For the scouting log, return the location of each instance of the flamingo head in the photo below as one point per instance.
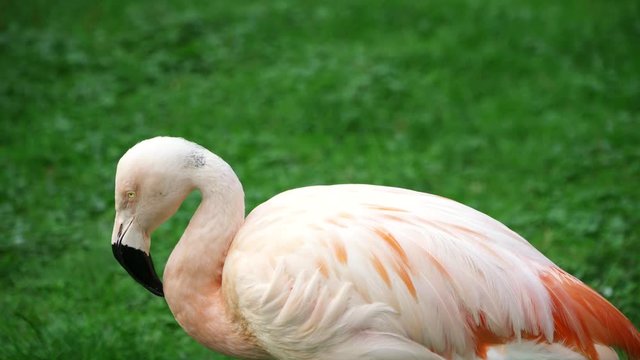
(152, 179)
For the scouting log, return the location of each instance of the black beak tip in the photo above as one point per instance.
(140, 266)
(157, 290)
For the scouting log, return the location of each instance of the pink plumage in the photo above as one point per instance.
(354, 271)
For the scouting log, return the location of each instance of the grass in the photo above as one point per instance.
(529, 112)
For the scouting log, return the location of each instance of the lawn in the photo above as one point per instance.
(528, 111)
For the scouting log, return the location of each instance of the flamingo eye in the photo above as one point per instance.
(131, 195)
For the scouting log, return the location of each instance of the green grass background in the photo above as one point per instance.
(526, 110)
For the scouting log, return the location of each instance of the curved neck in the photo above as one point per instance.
(193, 274)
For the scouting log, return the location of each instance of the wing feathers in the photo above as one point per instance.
(317, 268)
(583, 318)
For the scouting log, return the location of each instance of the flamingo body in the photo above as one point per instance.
(363, 272)
(415, 274)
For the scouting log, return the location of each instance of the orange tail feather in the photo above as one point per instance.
(583, 318)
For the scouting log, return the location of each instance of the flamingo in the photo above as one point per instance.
(349, 271)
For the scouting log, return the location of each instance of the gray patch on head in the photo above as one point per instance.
(196, 159)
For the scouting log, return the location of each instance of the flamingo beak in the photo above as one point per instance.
(131, 248)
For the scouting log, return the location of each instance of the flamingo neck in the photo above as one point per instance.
(193, 274)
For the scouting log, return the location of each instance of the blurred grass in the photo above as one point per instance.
(528, 111)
